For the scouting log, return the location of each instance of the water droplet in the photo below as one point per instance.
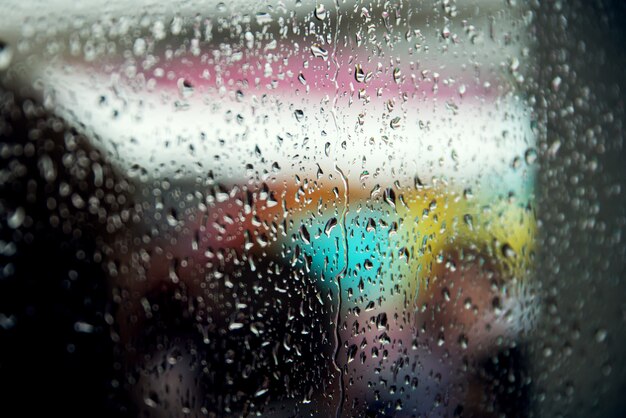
(508, 251)
(352, 352)
(463, 341)
(299, 114)
(469, 221)
(319, 52)
(17, 218)
(381, 321)
(301, 79)
(359, 39)
(390, 197)
(176, 25)
(359, 74)
(262, 18)
(152, 401)
(304, 234)
(174, 357)
(185, 88)
(395, 122)
(5, 56)
(235, 325)
(446, 294)
(260, 392)
(330, 225)
(320, 12)
(172, 217)
(139, 47)
(397, 75)
(530, 156)
(47, 168)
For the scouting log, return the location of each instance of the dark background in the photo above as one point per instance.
(581, 206)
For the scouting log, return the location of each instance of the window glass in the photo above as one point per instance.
(296, 208)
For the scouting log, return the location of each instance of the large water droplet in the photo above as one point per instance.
(397, 75)
(17, 218)
(5, 56)
(185, 88)
(395, 123)
(359, 74)
(508, 251)
(304, 234)
(530, 156)
(320, 12)
(330, 225)
(352, 352)
(319, 52)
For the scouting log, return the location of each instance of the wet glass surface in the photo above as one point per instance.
(312, 209)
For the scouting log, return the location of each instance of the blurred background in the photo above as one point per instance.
(312, 209)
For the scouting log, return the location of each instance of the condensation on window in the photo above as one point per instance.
(299, 208)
